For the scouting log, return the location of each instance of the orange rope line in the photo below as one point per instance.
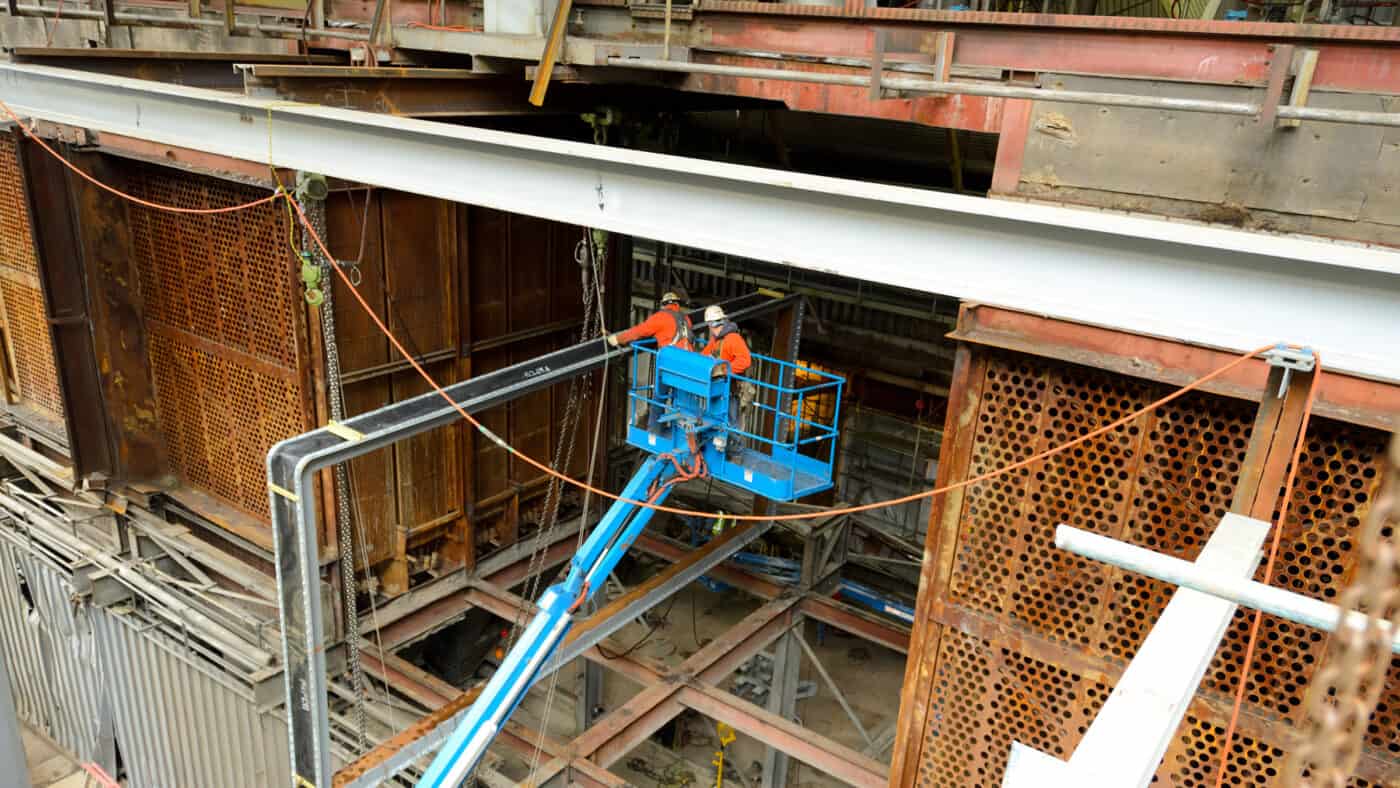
(441, 392)
(445, 28)
(118, 192)
(437, 388)
(1269, 572)
(57, 17)
(544, 468)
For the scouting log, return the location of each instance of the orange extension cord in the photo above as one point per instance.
(936, 491)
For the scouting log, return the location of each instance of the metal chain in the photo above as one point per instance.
(316, 213)
(589, 257)
(563, 452)
(1344, 694)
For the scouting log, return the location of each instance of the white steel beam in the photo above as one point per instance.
(1273, 600)
(1125, 744)
(1208, 285)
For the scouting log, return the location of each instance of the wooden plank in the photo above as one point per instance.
(1306, 67)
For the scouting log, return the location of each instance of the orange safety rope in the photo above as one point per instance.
(698, 468)
(118, 192)
(441, 392)
(544, 468)
(1269, 571)
(445, 28)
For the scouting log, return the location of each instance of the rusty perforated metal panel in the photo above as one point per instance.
(1032, 637)
(30, 346)
(221, 314)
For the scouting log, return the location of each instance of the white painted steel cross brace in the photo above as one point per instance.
(1128, 738)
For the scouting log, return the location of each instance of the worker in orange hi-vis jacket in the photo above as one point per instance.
(669, 326)
(729, 346)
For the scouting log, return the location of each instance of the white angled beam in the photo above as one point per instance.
(1125, 744)
(1191, 282)
(1273, 600)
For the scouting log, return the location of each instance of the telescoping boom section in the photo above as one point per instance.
(772, 433)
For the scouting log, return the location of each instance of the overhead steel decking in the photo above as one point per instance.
(1201, 284)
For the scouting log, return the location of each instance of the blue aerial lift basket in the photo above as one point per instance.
(782, 444)
(778, 441)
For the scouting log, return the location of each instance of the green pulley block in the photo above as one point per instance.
(310, 271)
(719, 524)
(311, 277)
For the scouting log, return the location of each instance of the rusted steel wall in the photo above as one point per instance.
(1017, 640)
(226, 327)
(31, 378)
(467, 290)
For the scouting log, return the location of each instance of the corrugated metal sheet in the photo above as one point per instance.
(56, 674)
(90, 677)
(180, 723)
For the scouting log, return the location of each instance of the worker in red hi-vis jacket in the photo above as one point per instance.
(669, 326)
(729, 346)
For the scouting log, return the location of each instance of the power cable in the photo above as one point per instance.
(588, 487)
(1180, 392)
(665, 617)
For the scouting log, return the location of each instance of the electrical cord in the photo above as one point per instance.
(652, 631)
(588, 487)
(543, 467)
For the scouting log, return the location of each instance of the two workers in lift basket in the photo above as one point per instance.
(670, 325)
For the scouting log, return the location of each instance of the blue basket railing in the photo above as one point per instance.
(791, 419)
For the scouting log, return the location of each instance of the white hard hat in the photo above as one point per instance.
(714, 313)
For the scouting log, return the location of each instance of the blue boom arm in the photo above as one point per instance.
(589, 568)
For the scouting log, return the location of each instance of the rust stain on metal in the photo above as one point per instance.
(221, 310)
(1029, 640)
(27, 332)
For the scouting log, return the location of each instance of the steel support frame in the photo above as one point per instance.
(1217, 52)
(1131, 732)
(691, 685)
(293, 466)
(643, 715)
(1349, 398)
(1170, 279)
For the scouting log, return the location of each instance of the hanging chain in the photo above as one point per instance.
(579, 388)
(316, 212)
(1344, 694)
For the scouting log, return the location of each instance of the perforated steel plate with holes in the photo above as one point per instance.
(1051, 624)
(221, 315)
(27, 341)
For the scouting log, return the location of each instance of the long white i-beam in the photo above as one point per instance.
(1213, 286)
